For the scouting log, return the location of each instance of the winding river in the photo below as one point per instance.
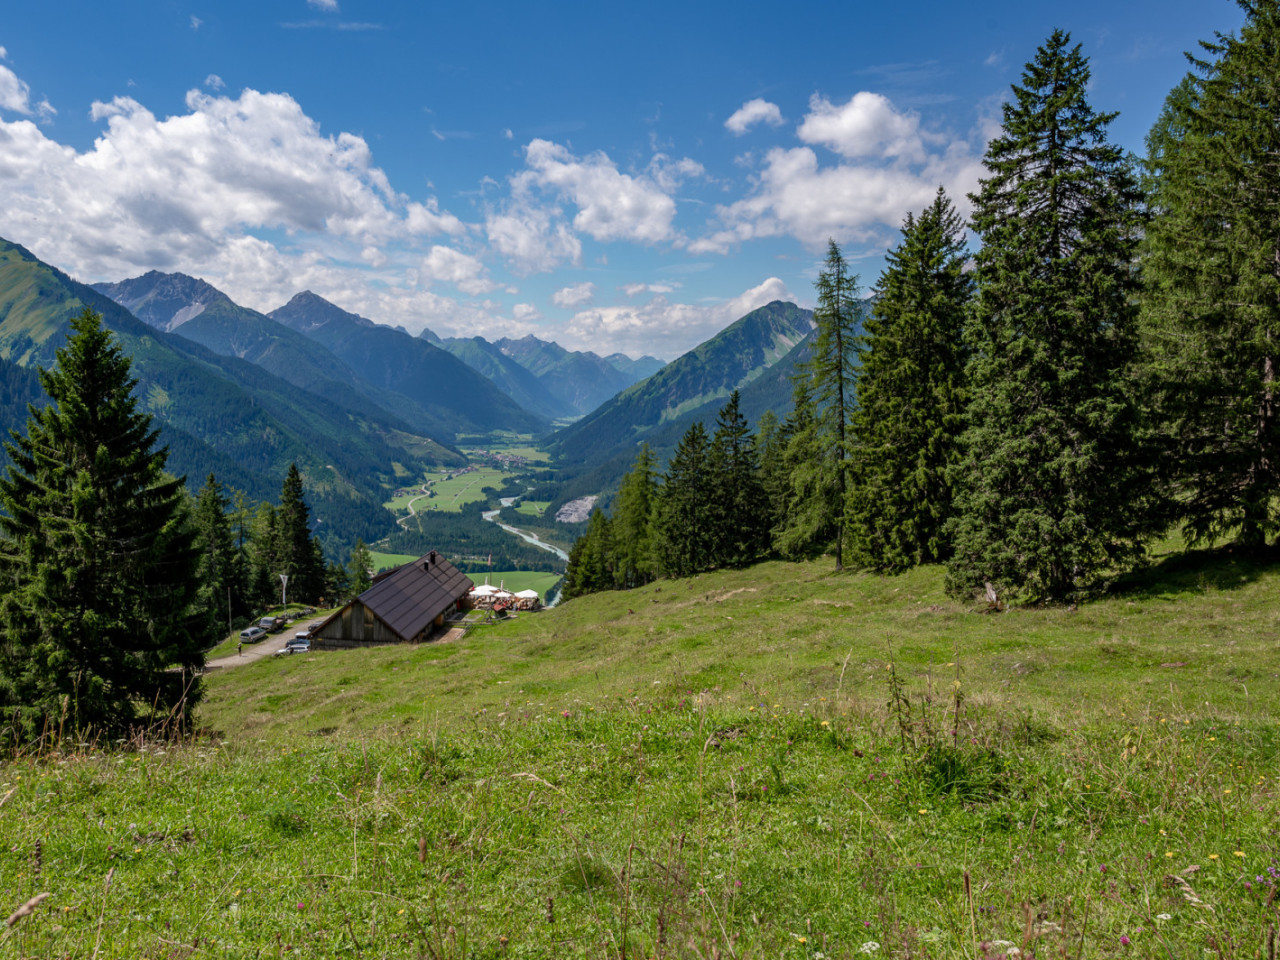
(492, 517)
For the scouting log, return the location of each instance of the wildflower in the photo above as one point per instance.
(923, 810)
(1239, 853)
(1168, 853)
(301, 906)
(802, 939)
(1163, 916)
(826, 723)
(1103, 868)
(1124, 941)
(869, 947)
(1213, 856)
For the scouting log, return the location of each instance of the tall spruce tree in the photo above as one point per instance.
(1052, 497)
(98, 557)
(359, 570)
(808, 516)
(910, 397)
(1211, 313)
(833, 366)
(738, 503)
(682, 531)
(632, 519)
(219, 584)
(298, 555)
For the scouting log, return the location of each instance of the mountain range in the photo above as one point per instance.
(358, 405)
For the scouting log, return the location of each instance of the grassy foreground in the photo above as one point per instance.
(775, 762)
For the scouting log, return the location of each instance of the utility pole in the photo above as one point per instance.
(284, 583)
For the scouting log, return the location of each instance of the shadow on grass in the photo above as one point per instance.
(1227, 567)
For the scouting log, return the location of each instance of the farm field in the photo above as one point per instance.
(382, 561)
(533, 508)
(770, 762)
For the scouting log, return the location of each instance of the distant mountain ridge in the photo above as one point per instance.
(702, 378)
(442, 389)
(219, 413)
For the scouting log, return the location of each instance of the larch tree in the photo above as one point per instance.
(1211, 313)
(910, 397)
(1053, 497)
(97, 557)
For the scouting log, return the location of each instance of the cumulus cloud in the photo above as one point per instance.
(15, 95)
(889, 166)
(664, 328)
(575, 295)
(866, 126)
(532, 239)
(214, 82)
(462, 270)
(195, 22)
(525, 312)
(611, 205)
(753, 112)
(330, 6)
(184, 192)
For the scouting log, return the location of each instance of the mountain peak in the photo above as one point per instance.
(163, 300)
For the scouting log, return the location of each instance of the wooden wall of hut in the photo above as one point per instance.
(357, 627)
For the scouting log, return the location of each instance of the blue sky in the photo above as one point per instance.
(615, 178)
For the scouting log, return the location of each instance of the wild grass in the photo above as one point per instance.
(775, 762)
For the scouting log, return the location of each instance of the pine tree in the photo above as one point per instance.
(910, 397)
(739, 511)
(834, 367)
(632, 516)
(1211, 313)
(218, 569)
(682, 532)
(359, 570)
(98, 556)
(1052, 495)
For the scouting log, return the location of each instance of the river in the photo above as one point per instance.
(492, 517)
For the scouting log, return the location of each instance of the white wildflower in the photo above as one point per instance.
(869, 947)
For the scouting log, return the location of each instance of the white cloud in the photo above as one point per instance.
(866, 126)
(525, 313)
(611, 205)
(753, 112)
(330, 6)
(214, 82)
(635, 289)
(532, 239)
(15, 95)
(661, 327)
(462, 270)
(892, 167)
(182, 192)
(575, 295)
(195, 22)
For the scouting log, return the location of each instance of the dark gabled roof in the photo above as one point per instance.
(408, 598)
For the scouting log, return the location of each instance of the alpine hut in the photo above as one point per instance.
(404, 605)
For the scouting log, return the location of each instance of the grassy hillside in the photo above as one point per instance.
(722, 766)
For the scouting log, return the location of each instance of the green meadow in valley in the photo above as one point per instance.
(768, 762)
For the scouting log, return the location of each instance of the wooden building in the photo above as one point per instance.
(404, 605)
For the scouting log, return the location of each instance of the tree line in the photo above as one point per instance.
(1033, 414)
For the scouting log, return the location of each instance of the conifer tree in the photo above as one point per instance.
(631, 521)
(833, 366)
(910, 397)
(359, 570)
(297, 553)
(1052, 496)
(808, 516)
(737, 509)
(217, 575)
(682, 534)
(98, 557)
(1211, 313)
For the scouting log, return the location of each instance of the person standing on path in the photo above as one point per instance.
(240, 649)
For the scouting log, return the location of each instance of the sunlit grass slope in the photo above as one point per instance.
(775, 762)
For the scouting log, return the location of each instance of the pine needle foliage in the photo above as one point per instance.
(1211, 314)
(910, 397)
(97, 557)
(1052, 497)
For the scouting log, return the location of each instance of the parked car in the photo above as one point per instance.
(296, 645)
(252, 635)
